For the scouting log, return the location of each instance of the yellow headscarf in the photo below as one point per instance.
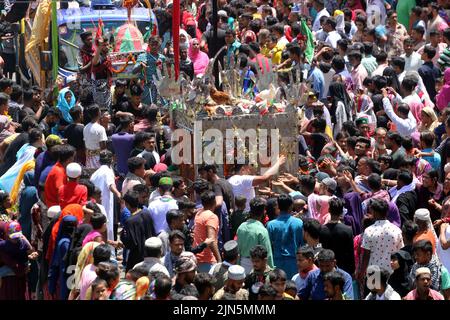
(29, 165)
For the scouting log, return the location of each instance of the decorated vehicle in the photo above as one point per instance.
(124, 27)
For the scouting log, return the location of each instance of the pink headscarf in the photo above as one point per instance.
(198, 58)
(443, 98)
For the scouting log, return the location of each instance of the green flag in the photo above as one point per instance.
(309, 51)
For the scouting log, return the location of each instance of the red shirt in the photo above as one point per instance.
(55, 179)
(72, 193)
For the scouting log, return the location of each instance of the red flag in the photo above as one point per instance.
(100, 29)
(176, 36)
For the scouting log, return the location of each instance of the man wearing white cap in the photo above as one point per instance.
(233, 285)
(152, 260)
(426, 231)
(72, 192)
(423, 290)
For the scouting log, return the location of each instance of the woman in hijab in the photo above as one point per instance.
(70, 210)
(198, 57)
(443, 97)
(25, 154)
(184, 39)
(28, 197)
(399, 280)
(340, 106)
(57, 274)
(66, 101)
(15, 251)
(186, 64)
(429, 120)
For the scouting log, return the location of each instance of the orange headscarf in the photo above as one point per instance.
(70, 210)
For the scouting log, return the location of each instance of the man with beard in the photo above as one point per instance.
(233, 285)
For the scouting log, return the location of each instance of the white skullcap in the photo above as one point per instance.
(53, 211)
(422, 214)
(153, 243)
(73, 170)
(236, 272)
(422, 270)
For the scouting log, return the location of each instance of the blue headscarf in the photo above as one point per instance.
(64, 106)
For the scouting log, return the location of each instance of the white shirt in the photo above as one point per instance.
(153, 265)
(158, 210)
(413, 62)
(154, 153)
(405, 127)
(444, 255)
(103, 178)
(316, 24)
(154, 195)
(333, 38)
(243, 186)
(383, 238)
(93, 134)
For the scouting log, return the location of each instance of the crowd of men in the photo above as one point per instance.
(92, 208)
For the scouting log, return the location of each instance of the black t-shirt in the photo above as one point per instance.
(74, 135)
(178, 292)
(214, 45)
(223, 188)
(339, 238)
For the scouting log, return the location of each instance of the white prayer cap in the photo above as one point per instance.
(422, 270)
(53, 211)
(153, 243)
(236, 272)
(73, 170)
(422, 214)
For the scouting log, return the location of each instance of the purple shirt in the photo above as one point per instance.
(43, 160)
(122, 144)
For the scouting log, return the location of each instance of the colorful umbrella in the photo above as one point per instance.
(128, 38)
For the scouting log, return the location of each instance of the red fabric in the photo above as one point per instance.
(263, 63)
(72, 193)
(99, 32)
(288, 33)
(71, 210)
(176, 36)
(56, 178)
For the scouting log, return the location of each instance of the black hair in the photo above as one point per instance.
(409, 83)
(17, 92)
(306, 251)
(107, 271)
(203, 281)
(335, 278)
(398, 62)
(307, 182)
(277, 275)
(136, 90)
(332, 22)
(135, 163)
(76, 112)
(172, 215)
(374, 181)
(65, 152)
(208, 198)
(405, 176)
(5, 83)
(34, 135)
(132, 198)
(97, 220)
(106, 157)
(176, 234)
(201, 185)
(285, 202)
(396, 137)
(336, 206)
(338, 63)
(419, 29)
(313, 227)
(258, 252)
(403, 108)
(409, 229)
(381, 57)
(427, 137)
(429, 51)
(185, 204)
(267, 290)
(319, 124)
(93, 111)
(423, 245)
(101, 253)
(379, 206)
(271, 206)
(257, 207)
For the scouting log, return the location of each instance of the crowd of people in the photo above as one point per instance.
(92, 207)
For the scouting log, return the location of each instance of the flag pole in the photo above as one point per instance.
(55, 62)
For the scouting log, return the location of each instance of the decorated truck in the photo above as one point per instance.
(46, 57)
